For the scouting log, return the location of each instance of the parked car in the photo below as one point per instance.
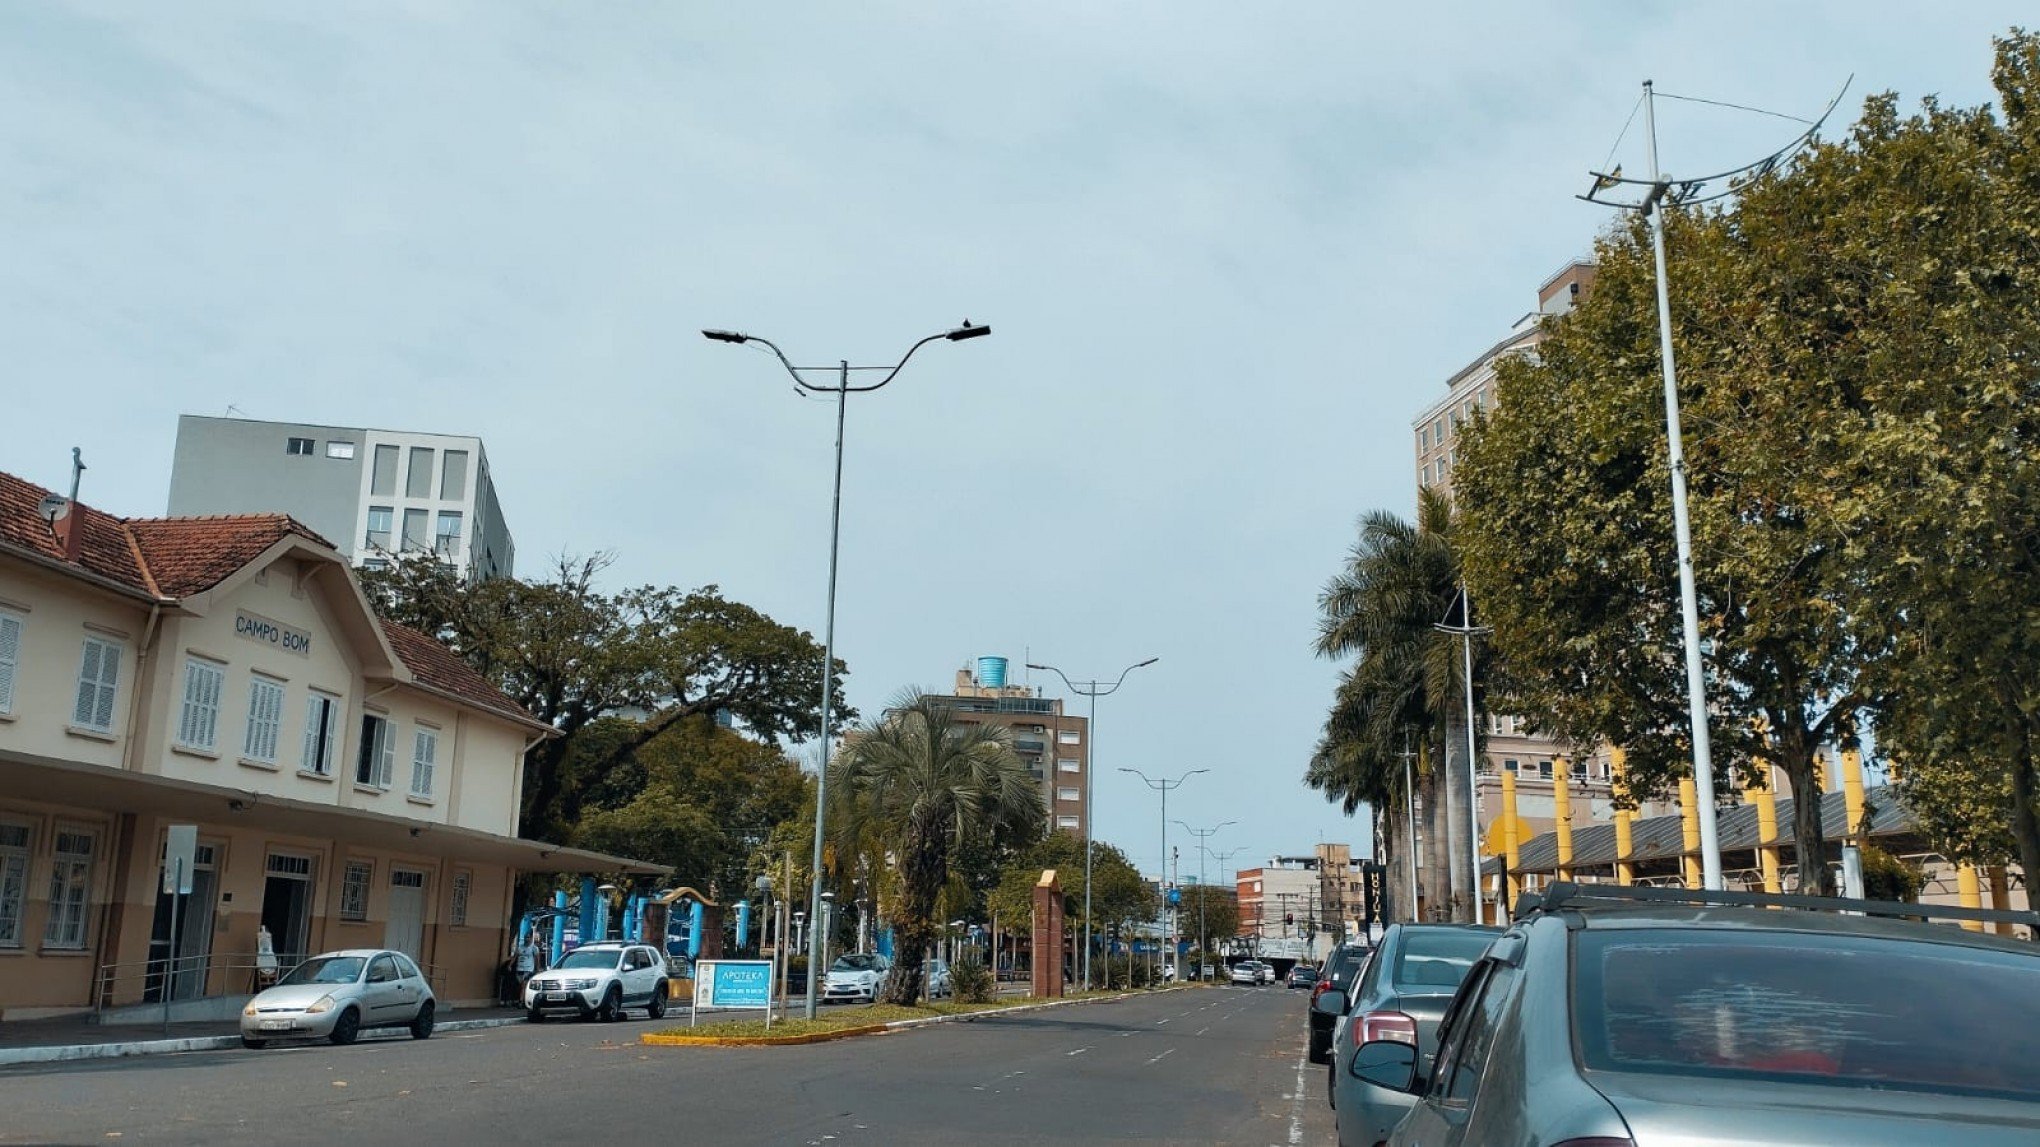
(337, 995)
(1338, 972)
(599, 981)
(1303, 976)
(1245, 972)
(937, 972)
(1265, 971)
(855, 976)
(1402, 994)
(1666, 1016)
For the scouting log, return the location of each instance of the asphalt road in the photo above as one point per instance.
(1213, 1065)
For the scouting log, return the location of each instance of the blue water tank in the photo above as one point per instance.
(991, 672)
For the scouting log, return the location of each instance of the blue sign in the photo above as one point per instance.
(1175, 896)
(733, 984)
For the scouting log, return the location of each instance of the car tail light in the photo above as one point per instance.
(1385, 1025)
(1319, 989)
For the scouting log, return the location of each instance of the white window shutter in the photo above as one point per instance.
(312, 733)
(10, 655)
(88, 685)
(109, 682)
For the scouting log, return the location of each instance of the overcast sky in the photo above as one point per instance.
(1229, 252)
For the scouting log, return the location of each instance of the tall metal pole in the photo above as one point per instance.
(1410, 807)
(1689, 598)
(1162, 923)
(1090, 769)
(828, 680)
(1472, 758)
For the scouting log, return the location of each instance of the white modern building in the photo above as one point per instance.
(372, 493)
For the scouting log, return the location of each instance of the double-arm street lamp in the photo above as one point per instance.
(1202, 835)
(1094, 691)
(1162, 785)
(842, 390)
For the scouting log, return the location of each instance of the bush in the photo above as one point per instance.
(970, 981)
(1888, 877)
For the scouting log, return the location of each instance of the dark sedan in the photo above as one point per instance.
(1338, 973)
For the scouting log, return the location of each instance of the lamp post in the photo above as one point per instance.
(1202, 835)
(1092, 691)
(842, 390)
(1163, 785)
(1466, 630)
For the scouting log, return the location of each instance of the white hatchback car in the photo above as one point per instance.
(855, 976)
(338, 995)
(600, 981)
(1245, 972)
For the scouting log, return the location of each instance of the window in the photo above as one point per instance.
(457, 900)
(1066, 822)
(1544, 769)
(377, 754)
(383, 476)
(1068, 736)
(1069, 765)
(1510, 764)
(14, 840)
(453, 476)
(424, 754)
(1068, 794)
(380, 520)
(322, 721)
(70, 890)
(265, 720)
(198, 725)
(446, 542)
(298, 447)
(339, 449)
(414, 531)
(418, 476)
(10, 656)
(354, 890)
(1427, 473)
(97, 676)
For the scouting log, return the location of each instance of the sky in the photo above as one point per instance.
(1228, 253)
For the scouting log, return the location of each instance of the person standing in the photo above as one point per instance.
(527, 961)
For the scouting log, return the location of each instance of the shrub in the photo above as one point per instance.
(970, 981)
(1888, 877)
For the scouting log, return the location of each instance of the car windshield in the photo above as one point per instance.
(590, 958)
(855, 962)
(326, 970)
(1437, 959)
(1840, 1011)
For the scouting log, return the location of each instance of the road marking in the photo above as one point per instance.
(1163, 1056)
(1201, 1031)
(1159, 1023)
(1296, 1107)
(1079, 1051)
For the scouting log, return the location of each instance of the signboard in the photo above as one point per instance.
(258, 628)
(733, 984)
(180, 855)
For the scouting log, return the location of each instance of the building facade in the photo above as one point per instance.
(376, 493)
(352, 783)
(1055, 745)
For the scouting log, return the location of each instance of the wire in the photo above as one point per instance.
(1737, 107)
(1633, 109)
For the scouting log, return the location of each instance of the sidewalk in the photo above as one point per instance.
(73, 1038)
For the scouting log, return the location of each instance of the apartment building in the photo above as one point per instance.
(375, 493)
(1054, 744)
(352, 782)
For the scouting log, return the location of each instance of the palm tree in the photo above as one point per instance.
(1403, 692)
(924, 781)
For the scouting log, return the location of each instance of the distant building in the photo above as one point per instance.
(1297, 907)
(1056, 746)
(375, 493)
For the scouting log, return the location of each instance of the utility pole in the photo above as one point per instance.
(1202, 835)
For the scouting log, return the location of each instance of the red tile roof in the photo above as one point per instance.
(171, 558)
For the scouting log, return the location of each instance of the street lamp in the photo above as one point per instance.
(1466, 630)
(1163, 785)
(1203, 834)
(842, 390)
(1092, 691)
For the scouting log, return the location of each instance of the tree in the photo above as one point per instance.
(928, 781)
(1119, 894)
(1405, 689)
(1209, 912)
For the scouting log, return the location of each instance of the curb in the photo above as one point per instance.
(77, 1053)
(659, 1039)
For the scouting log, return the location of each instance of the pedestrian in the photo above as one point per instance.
(527, 961)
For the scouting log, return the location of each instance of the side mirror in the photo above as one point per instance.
(1387, 1063)
(1330, 1002)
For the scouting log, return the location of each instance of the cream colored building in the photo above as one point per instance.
(353, 783)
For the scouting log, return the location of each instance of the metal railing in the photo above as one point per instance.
(214, 974)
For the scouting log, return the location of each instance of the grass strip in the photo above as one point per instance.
(833, 1021)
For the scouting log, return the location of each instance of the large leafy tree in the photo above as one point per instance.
(1403, 697)
(1209, 913)
(1120, 896)
(927, 782)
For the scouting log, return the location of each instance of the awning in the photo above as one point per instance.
(122, 791)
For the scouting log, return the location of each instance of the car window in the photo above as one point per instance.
(383, 970)
(1369, 976)
(406, 968)
(1808, 1008)
(1437, 959)
(326, 970)
(1451, 1027)
(858, 962)
(591, 958)
(1478, 1038)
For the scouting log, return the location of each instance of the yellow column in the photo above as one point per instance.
(1561, 802)
(2001, 895)
(1512, 858)
(1689, 831)
(1971, 891)
(1852, 793)
(1767, 837)
(1625, 871)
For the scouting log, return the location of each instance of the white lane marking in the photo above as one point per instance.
(1159, 1023)
(1201, 1031)
(1124, 1034)
(1296, 1107)
(1163, 1056)
(1079, 1051)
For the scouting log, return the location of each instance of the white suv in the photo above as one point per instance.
(599, 981)
(855, 976)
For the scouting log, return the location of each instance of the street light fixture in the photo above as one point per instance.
(842, 390)
(1466, 630)
(1091, 690)
(1202, 835)
(1163, 785)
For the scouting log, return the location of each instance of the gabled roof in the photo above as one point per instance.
(167, 559)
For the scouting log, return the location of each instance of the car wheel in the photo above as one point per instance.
(421, 1025)
(612, 1006)
(533, 1015)
(346, 1027)
(656, 1009)
(254, 1044)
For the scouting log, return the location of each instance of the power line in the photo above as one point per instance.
(1737, 107)
(1617, 146)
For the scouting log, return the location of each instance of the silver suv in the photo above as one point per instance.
(1624, 1017)
(599, 981)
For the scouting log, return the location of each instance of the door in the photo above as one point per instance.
(194, 935)
(287, 907)
(386, 996)
(406, 929)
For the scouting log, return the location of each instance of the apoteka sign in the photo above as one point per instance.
(256, 627)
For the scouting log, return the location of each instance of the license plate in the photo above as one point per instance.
(276, 1025)
(556, 995)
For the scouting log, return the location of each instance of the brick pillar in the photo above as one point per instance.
(1048, 936)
